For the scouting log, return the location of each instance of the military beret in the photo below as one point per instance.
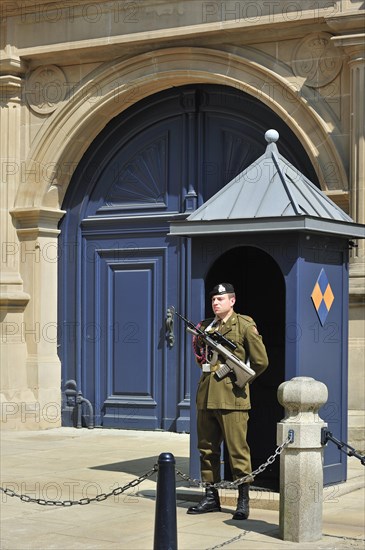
(222, 288)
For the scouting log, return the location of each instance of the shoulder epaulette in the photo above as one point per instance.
(247, 319)
(206, 322)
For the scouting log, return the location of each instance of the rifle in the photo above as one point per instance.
(219, 344)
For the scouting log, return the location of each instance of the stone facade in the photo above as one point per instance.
(67, 68)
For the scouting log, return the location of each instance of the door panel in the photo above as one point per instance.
(144, 176)
(129, 305)
(126, 359)
(228, 150)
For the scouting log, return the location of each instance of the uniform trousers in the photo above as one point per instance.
(214, 426)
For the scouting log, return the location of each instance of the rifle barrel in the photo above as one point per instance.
(215, 336)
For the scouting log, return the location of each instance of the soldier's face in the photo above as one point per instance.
(222, 304)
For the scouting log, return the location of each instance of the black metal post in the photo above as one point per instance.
(165, 518)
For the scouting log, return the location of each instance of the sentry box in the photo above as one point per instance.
(284, 245)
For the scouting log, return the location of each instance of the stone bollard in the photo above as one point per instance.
(301, 462)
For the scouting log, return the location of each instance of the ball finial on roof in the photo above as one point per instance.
(271, 136)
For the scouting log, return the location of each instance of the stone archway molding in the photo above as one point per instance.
(113, 87)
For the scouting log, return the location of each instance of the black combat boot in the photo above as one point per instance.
(243, 507)
(209, 503)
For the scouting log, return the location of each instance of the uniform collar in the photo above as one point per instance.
(227, 324)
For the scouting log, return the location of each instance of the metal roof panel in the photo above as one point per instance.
(270, 187)
(270, 195)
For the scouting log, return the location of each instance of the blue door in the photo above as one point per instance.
(120, 270)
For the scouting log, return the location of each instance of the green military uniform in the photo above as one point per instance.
(223, 406)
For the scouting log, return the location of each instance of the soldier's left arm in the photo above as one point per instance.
(255, 350)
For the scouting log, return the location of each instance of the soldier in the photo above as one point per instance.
(222, 407)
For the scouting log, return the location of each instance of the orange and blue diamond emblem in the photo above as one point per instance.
(322, 296)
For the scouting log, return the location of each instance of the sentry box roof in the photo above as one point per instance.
(271, 195)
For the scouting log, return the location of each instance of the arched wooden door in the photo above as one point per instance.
(119, 268)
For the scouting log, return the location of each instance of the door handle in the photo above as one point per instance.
(169, 325)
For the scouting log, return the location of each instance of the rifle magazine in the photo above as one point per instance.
(223, 371)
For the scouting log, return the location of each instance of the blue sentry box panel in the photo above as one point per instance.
(314, 339)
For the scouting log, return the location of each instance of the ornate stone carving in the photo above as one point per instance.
(317, 60)
(45, 88)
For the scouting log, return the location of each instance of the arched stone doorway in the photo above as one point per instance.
(119, 269)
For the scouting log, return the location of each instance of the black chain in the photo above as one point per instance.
(119, 490)
(229, 541)
(98, 498)
(325, 437)
(245, 479)
(344, 447)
